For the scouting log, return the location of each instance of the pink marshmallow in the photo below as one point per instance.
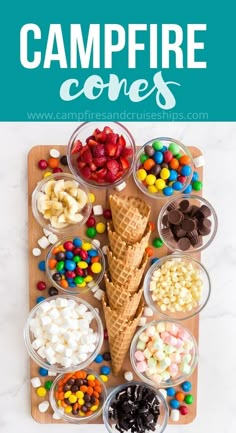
(164, 335)
(179, 343)
(175, 357)
(139, 355)
(142, 366)
(184, 335)
(172, 328)
(150, 347)
(172, 341)
(173, 369)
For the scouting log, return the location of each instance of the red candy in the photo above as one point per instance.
(168, 156)
(41, 285)
(42, 164)
(69, 246)
(182, 179)
(107, 214)
(70, 274)
(77, 251)
(91, 222)
(105, 334)
(183, 410)
(83, 254)
(57, 170)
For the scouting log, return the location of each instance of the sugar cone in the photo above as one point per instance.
(120, 338)
(121, 273)
(128, 287)
(131, 254)
(130, 217)
(123, 302)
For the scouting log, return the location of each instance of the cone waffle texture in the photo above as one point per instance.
(130, 217)
(131, 254)
(120, 335)
(122, 274)
(123, 302)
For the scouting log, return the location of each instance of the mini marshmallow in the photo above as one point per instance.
(52, 238)
(185, 368)
(41, 352)
(97, 210)
(46, 320)
(147, 353)
(174, 415)
(147, 312)
(54, 153)
(186, 358)
(104, 249)
(171, 340)
(152, 363)
(120, 187)
(172, 328)
(66, 362)
(175, 357)
(43, 407)
(36, 252)
(159, 355)
(141, 345)
(44, 308)
(61, 302)
(169, 349)
(99, 294)
(173, 369)
(81, 309)
(47, 232)
(161, 327)
(165, 363)
(199, 161)
(94, 287)
(60, 348)
(36, 382)
(97, 243)
(139, 355)
(37, 343)
(142, 321)
(156, 378)
(43, 242)
(142, 366)
(53, 329)
(165, 375)
(143, 337)
(128, 376)
(163, 393)
(54, 313)
(51, 373)
(82, 357)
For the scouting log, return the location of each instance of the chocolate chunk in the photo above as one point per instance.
(188, 224)
(74, 388)
(175, 217)
(184, 244)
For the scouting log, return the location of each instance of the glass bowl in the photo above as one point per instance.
(194, 298)
(159, 191)
(190, 344)
(74, 288)
(96, 173)
(70, 417)
(197, 241)
(110, 424)
(29, 337)
(53, 224)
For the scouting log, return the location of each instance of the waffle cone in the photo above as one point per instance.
(129, 287)
(131, 254)
(130, 217)
(121, 273)
(119, 340)
(123, 302)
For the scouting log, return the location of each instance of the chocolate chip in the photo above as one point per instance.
(175, 217)
(184, 244)
(188, 224)
(53, 291)
(63, 160)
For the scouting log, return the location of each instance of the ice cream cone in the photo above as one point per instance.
(123, 302)
(130, 217)
(120, 336)
(121, 273)
(131, 254)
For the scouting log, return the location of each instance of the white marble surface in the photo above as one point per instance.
(217, 365)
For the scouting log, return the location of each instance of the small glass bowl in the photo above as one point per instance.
(173, 203)
(96, 325)
(85, 212)
(170, 382)
(85, 131)
(77, 289)
(164, 411)
(69, 417)
(166, 142)
(203, 274)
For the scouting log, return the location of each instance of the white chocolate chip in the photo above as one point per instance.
(97, 243)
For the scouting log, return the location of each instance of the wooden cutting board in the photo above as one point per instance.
(35, 232)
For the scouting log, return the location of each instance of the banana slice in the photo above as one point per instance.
(81, 198)
(59, 187)
(49, 188)
(71, 204)
(73, 219)
(56, 224)
(69, 184)
(40, 201)
(62, 218)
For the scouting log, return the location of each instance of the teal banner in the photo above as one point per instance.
(150, 61)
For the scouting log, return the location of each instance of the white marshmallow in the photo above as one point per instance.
(54, 313)
(43, 242)
(46, 320)
(174, 415)
(54, 153)
(66, 362)
(94, 288)
(120, 187)
(36, 382)
(41, 352)
(44, 308)
(36, 252)
(53, 329)
(97, 210)
(72, 343)
(49, 352)
(104, 249)
(71, 304)
(91, 347)
(142, 321)
(147, 312)
(97, 243)
(37, 343)
(99, 294)
(199, 161)
(52, 238)
(61, 302)
(51, 373)
(47, 232)
(82, 357)
(68, 352)
(128, 376)
(60, 348)
(81, 309)
(43, 407)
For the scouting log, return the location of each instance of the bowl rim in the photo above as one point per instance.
(39, 217)
(73, 419)
(107, 185)
(41, 362)
(174, 382)
(140, 150)
(75, 290)
(157, 265)
(125, 385)
(186, 197)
